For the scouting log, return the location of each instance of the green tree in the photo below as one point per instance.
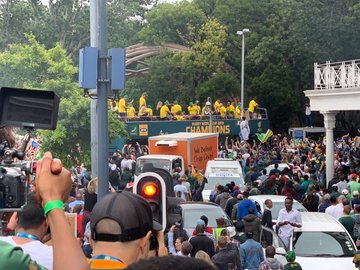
(31, 65)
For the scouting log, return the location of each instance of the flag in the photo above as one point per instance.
(263, 137)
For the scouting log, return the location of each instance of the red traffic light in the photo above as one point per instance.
(150, 189)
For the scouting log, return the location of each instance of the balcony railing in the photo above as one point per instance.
(344, 74)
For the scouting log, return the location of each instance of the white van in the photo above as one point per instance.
(222, 171)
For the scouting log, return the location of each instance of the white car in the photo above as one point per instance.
(278, 203)
(281, 167)
(321, 243)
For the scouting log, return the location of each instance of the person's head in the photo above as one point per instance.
(172, 262)
(270, 252)
(186, 248)
(290, 256)
(203, 256)
(78, 196)
(333, 199)
(222, 242)
(121, 226)
(346, 210)
(205, 219)
(357, 209)
(77, 209)
(268, 203)
(246, 194)
(356, 194)
(249, 235)
(200, 228)
(289, 203)
(251, 211)
(32, 218)
(326, 198)
(276, 165)
(178, 243)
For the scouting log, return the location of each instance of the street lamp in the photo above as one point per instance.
(242, 33)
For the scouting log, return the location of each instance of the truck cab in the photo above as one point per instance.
(170, 163)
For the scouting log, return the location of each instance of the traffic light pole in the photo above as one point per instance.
(98, 107)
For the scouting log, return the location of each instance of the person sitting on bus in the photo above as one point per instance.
(143, 111)
(149, 110)
(130, 111)
(179, 116)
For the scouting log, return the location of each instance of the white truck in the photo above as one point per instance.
(222, 171)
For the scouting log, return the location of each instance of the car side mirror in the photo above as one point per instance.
(280, 251)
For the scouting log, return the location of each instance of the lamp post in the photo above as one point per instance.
(242, 33)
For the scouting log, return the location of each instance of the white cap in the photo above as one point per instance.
(231, 231)
(207, 103)
(345, 191)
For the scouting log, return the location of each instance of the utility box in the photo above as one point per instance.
(195, 148)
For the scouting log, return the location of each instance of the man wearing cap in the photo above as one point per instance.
(175, 108)
(288, 218)
(121, 227)
(251, 253)
(122, 106)
(164, 111)
(130, 111)
(291, 265)
(206, 110)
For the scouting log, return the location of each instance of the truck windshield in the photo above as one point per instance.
(148, 165)
(222, 181)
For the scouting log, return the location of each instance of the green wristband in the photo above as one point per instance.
(50, 205)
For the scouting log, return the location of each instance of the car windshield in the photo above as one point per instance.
(222, 181)
(191, 216)
(323, 244)
(149, 164)
(280, 205)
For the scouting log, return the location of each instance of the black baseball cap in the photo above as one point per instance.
(129, 210)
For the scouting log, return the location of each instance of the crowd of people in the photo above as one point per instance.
(118, 231)
(174, 111)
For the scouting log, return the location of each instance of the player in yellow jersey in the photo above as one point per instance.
(197, 107)
(130, 111)
(149, 110)
(222, 111)
(238, 111)
(175, 108)
(122, 106)
(164, 111)
(216, 105)
(230, 110)
(252, 106)
(142, 100)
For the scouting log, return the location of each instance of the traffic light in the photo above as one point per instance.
(151, 186)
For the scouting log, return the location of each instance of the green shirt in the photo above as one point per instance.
(349, 224)
(292, 266)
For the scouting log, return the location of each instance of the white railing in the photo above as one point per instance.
(344, 74)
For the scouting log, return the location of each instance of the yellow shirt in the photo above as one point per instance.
(216, 105)
(222, 111)
(122, 106)
(198, 109)
(149, 111)
(164, 111)
(131, 112)
(142, 111)
(179, 117)
(237, 112)
(252, 106)
(192, 110)
(176, 108)
(230, 108)
(142, 101)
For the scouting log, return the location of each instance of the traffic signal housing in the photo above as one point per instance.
(151, 186)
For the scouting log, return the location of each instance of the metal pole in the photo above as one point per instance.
(98, 107)
(242, 73)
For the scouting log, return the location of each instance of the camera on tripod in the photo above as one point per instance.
(29, 110)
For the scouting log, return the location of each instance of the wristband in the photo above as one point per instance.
(50, 205)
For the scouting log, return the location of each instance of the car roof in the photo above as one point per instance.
(319, 222)
(194, 205)
(166, 157)
(274, 198)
